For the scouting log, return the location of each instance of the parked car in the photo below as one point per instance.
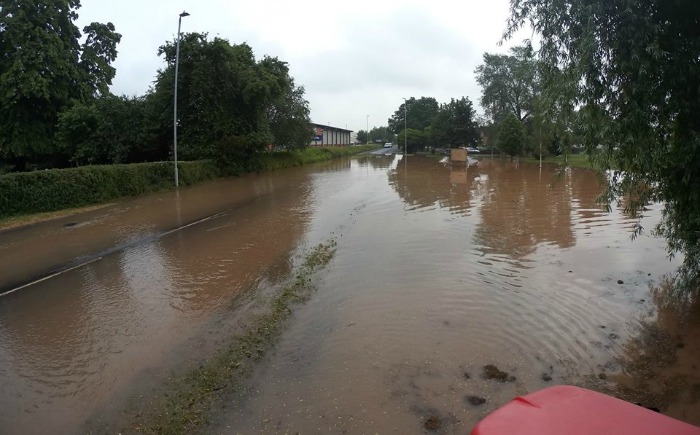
(388, 145)
(472, 150)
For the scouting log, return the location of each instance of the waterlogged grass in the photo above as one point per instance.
(186, 405)
(573, 160)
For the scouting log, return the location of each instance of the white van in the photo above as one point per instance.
(388, 145)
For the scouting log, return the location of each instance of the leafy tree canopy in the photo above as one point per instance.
(362, 136)
(225, 95)
(455, 124)
(44, 69)
(511, 136)
(633, 67)
(381, 134)
(421, 113)
(509, 83)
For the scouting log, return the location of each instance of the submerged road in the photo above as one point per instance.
(439, 271)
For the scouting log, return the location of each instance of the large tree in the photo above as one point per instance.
(635, 71)
(509, 83)
(107, 130)
(455, 124)
(44, 69)
(288, 112)
(228, 102)
(421, 113)
(511, 136)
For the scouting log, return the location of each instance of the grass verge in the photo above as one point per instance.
(187, 402)
(573, 160)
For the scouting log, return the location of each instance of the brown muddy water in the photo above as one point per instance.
(439, 271)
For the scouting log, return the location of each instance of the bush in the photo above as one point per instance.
(56, 189)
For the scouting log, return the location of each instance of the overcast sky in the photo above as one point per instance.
(355, 58)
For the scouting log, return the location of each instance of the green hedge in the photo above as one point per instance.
(58, 189)
(285, 159)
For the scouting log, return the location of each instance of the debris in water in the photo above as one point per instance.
(475, 400)
(546, 377)
(619, 281)
(492, 372)
(433, 423)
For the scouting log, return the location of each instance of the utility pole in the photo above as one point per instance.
(177, 61)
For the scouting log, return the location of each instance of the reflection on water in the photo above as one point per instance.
(448, 270)
(439, 271)
(76, 343)
(658, 365)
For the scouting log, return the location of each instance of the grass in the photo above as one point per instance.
(573, 160)
(187, 401)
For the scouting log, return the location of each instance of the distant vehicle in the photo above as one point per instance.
(472, 150)
(388, 145)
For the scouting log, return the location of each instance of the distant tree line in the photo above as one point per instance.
(527, 111)
(56, 109)
(423, 123)
(376, 135)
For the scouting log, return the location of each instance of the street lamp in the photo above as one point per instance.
(405, 128)
(177, 61)
(367, 130)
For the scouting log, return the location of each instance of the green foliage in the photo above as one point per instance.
(44, 69)
(224, 94)
(417, 139)
(236, 155)
(455, 124)
(288, 113)
(56, 189)
(381, 135)
(509, 83)
(286, 159)
(633, 69)
(511, 135)
(106, 130)
(362, 136)
(421, 113)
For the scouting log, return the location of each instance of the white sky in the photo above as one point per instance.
(355, 58)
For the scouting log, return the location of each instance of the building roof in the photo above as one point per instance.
(325, 126)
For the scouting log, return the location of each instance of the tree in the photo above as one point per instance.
(633, 67)
(509, 83)
(455, 124)
(288, 113)
(416, 139)
(362, 136)
(105, 131)
(225, 99)
(381, 134)
(511, 136)
(421, 113)
(44, 69)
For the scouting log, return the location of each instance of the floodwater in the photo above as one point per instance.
(439, 271)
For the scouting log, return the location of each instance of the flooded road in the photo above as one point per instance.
(439, 271)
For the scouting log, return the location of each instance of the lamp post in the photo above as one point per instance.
(177, 61)
(367, 130)
(405, 128)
